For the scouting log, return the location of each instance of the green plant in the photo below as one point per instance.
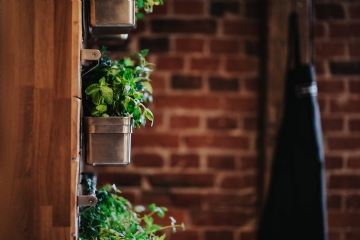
(147, 6)
(119, 88)
(114, 218)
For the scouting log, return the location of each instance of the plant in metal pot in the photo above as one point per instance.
(114, 218)
(119, 88)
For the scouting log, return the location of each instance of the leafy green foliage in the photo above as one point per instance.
(147, 6)
(114, 218)
(119, 88)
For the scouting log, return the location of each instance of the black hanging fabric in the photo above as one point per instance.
(296, 207)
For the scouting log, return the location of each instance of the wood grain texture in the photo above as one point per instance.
(277, 50)
(37, 73)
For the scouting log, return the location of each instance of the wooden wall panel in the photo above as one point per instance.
(38, 176)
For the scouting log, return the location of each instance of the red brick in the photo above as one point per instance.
(241, 28)
(128, 194)
(248, 235)
(219, 8)
(353, 202)
(221, 123)
(354, 49)
(323, 104)
(345, 67)
(319, 67)
(160, 10)
(157, 82)
(333, 202)
(248, 162)
(353, 235)
(345, 107)
(147, 160)
(343, 220)
(207, 26)
(183, 7)
(242, 104)
(205, 64)
(184, 122)
(183, 82)
(332, 124)
(334, 236)
(156, 45)
(186, 199)
(217, 84)
(319, 30)
(160, 198)
(333, 162)
(218, 235)
(344, 181)
(181, 180)
(329, 49)
(344, 30)
(354, 125)
(154, 140)
(119, 179)
(188, 235)
(170, 63)
(252, 48)
(185, 160)
(239, 182)
(220, 218)
(242, 65)
(353, 163)
(335, 86)
(140, 27)
(354, 11)
(250, 123)
(187, 102)
(344, 143)
(354, 86)
(224, 46)
(247, 200)
(221, 162)
(189, 45)
(329, 11)
(251, 84)
(218, 141)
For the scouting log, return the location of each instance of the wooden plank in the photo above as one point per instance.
(277, 50)
(37, 172)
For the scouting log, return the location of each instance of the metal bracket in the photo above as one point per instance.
(87, 200)
(90, 54)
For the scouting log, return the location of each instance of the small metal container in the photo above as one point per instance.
(111, 16)
(108, 140)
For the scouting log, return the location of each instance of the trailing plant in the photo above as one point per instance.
(119, 88)
(114, 218)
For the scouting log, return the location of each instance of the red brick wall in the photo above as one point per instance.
(200, 157)
(337, 54)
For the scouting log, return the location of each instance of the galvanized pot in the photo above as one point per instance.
(112, 16)
(108, 140)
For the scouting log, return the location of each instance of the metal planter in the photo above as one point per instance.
(108, 140)
(111, 16)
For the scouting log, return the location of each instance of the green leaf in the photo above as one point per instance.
(101, 108)
(102, 81)
(144, 52)
(152, 207)
(139, 208)
(107, 93)
(148, 220)
(96, 98)
(149, 115)
(92, 88)
(140, 15)
(148, 86)
(140, 3)
(136, 113)
(95, 112)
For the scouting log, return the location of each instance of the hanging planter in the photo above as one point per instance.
(115, 95)
(108, 140)
(111, 16)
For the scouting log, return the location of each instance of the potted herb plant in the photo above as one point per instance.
(113, 217)
(115, 93)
